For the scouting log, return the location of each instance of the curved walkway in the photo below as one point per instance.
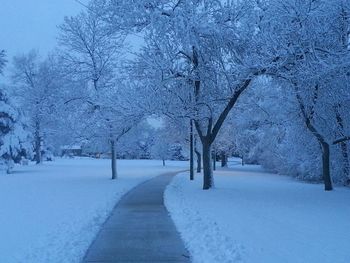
(140, 229)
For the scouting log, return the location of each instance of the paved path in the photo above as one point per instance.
(139, 229)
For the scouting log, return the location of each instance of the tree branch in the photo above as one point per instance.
(344, 139)
(228, 108)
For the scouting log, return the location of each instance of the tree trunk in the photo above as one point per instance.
(199, 160)
(9, 166)
(163, 161)
(207, 168)
(326, 172)
(37, 150)
(213, 128)
(343, 145)
(38, 158)
(308, 118)
(214, 160)
(345, 155)
(223, 159)
(326, 167)
(191, 152)
(113, 161)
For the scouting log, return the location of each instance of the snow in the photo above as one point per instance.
(254, 216)
(52, 212)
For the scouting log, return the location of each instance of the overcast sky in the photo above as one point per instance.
(32, 24)
(27, 24)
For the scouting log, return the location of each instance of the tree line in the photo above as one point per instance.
(267, 78)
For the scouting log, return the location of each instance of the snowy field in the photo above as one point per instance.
(52, 212)
(256, 217)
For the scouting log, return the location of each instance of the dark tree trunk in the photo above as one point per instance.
(343, 145)
(191, 152)
(214, 160)
(113, 161)
(223, 159)
(163, 161)
(38, 158)
(326, 167)
(207, 169)
(326, 173)
(345, 155)
(212, 130)
(37, 150)
(199, 160)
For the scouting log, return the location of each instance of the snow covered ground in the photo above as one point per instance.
(256, 217)
(51, 212)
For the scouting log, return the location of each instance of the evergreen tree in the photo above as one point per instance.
(14, 139)
(2, 60)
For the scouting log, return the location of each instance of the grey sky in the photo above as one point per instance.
(27, 24)
(32, 24)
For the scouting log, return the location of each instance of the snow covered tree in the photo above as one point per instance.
(36, 85)
(2, 60)
(161, 147)
(90, 49)
(138, 142)
(114, 118)
(14, 139)
(171, 141)
(315, 52)
(91, 52)
(204, 54)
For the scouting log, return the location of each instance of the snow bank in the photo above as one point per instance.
(254, 217)
(52, 212)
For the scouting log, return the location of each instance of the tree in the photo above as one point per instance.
(14, 139)
(91, 51)
(161, 147)
(139, 142)
(197, 151)
(204, 54)
(114, 118)
(2, 60)
(101, 122)
(90, 48)
(272, 134)
(36, 84)
(171, 141)
(317, 52)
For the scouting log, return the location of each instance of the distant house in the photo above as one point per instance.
(71, 150)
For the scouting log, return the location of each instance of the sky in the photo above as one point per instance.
(32, 24)
(28, 24)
